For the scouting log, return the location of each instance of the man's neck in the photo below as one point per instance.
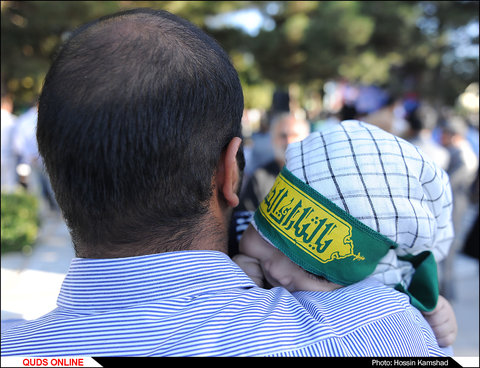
(203, 235)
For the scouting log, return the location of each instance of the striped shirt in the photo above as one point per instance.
(200, 303)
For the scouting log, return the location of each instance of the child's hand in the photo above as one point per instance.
(443, 322)
(251, 266)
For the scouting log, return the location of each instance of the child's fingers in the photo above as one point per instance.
(445, 336)
(443, 322)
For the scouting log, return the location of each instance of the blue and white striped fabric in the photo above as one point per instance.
(200, 303)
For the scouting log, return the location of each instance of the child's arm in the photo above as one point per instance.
(251, 266)
(443, 322)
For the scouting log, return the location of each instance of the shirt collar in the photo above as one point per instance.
(105, 284)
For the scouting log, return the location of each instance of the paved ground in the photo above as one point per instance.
(30, 283)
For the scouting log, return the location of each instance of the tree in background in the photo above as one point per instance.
(32, 31)
(399, 44)
(402, 45)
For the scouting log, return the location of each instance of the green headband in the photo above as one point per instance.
(325, 240)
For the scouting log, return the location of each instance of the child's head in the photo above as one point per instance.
(355, 201)
(277, 268)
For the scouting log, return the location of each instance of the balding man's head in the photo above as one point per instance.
(134, 115)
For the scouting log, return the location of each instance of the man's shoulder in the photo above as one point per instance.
(364, 301)
(245, 321)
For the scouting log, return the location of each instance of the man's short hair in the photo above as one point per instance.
(134, 115)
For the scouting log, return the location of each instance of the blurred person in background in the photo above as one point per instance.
(325, 120)
(348, 111)
(375, 106)
(24, 145)
(285, 129)
(472, 243)
(9, 176)
(472, 135)
(29, 163)
(422, 119)
(262, 151)
(385, 117)
(462, 170)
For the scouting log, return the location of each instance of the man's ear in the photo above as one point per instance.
(228, 174)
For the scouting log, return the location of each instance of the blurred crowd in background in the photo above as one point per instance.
(22, 166)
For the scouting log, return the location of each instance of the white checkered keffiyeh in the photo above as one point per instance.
(386, 183)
